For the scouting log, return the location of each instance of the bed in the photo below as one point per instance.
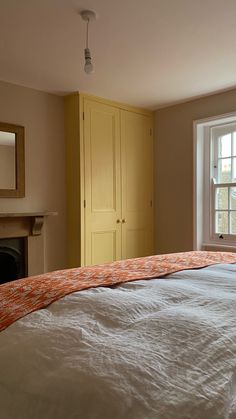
(157, 348)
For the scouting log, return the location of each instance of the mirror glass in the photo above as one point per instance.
(12, 161)
(7, 160)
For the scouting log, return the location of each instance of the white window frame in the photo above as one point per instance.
(203, 190)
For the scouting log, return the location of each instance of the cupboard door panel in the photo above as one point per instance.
(103, 149)
(137, 184)
(102, 183)
(103, 247)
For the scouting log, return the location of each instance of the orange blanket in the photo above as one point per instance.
(20, 297)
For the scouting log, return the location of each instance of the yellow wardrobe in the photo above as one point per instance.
(109, 149)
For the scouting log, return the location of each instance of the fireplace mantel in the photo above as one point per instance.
(28, 225)
(21, 224)
(27, 214)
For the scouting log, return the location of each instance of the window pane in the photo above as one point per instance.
(234, 143)
(222, 222)
(222, 198)
(234, 170)
(224, 172)
(225, 145)
(233, 198)
(233, 222)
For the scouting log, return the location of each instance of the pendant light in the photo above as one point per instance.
(88, 15)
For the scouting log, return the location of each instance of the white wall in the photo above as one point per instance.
(42, 115)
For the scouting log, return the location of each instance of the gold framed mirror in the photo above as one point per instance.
(12, 161)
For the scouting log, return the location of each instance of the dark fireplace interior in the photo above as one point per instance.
(12, 259)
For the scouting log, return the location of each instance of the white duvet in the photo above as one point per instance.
(157, 349)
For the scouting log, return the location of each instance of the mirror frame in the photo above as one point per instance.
(19, 131)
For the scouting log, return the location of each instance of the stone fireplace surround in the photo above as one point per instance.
(28, 225)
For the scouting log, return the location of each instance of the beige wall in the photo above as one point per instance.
(42, 115)
(174, 168)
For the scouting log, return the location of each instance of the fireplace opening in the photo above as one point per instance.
(12, 259)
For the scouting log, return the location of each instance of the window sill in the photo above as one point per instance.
(219, 247)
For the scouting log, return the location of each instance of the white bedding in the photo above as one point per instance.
(157, 349)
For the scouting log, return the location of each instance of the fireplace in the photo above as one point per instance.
(12, 259)
(22, 247)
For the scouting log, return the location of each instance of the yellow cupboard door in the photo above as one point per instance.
(137, 185)
(102, 183)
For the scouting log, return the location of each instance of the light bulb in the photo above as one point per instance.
(88, 67)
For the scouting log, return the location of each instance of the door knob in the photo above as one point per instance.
(123, 220)
(118, 221)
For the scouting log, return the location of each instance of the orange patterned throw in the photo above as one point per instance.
(23, 296)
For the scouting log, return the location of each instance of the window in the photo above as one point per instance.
(215, 182)
(223, 179)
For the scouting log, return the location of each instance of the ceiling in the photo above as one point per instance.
(148, 53)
